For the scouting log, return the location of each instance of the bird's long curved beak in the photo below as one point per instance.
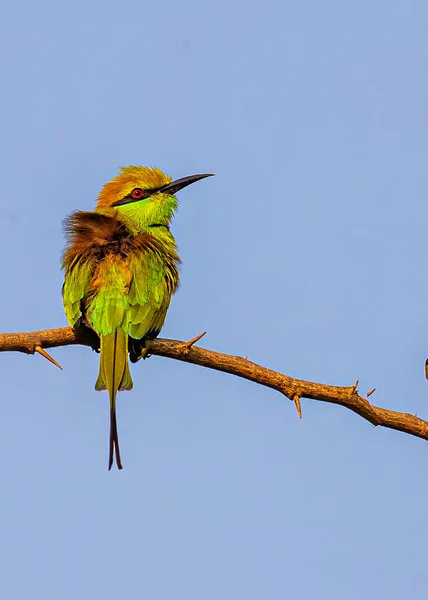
(170, 188)
(177, 185)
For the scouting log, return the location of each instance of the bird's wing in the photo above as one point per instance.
(76, 286)
(149, 295)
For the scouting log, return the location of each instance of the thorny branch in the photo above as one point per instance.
(294, 389)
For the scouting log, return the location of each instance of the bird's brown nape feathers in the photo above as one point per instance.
(92, 235)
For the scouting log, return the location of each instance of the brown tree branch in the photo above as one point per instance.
(294, 389)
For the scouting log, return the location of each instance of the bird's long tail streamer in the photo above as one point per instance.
(114, 375)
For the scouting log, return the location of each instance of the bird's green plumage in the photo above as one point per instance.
(121, 269)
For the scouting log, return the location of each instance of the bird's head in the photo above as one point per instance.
(143, 196)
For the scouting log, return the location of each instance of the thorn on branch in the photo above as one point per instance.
(371, 392)
(296, 400)
(354, 387)
(187, 345)
(48, 357)
(426, 369)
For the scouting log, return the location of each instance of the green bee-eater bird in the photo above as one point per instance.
(121, 269)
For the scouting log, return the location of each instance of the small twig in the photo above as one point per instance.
(354, 387)
(371, 392)
(48, 357)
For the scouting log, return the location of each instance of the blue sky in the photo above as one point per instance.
(306, 252)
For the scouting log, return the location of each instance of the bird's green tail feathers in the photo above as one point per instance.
(114, 376)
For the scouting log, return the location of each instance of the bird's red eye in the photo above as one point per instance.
(137, 193)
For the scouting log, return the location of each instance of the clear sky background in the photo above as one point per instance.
(307, 252)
